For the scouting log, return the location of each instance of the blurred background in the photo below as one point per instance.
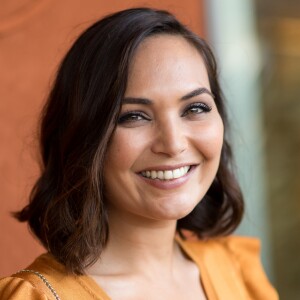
(257, 44)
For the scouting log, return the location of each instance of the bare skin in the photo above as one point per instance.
(145, 265)
(173, 123)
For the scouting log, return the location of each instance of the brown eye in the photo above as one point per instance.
(132, 117)
(196, 108)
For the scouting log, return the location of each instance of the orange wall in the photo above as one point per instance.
(33, 37)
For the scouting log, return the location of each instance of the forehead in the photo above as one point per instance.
(167, 61)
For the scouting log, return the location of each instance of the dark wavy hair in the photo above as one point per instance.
(67, 209)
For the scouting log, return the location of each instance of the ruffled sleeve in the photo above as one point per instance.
(13, 288)
(246, 253)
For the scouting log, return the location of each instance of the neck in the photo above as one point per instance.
(138, 245)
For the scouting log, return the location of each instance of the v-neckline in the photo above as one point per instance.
(198, 259)
(89, 283)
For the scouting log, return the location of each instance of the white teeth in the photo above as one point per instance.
(160, 175)
(166, 175)
(177, 173)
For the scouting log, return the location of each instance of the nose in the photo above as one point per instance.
(170, 138)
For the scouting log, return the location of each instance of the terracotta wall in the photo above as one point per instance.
(34, 35)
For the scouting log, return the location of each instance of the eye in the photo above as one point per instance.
(133, 117)
(196, 109)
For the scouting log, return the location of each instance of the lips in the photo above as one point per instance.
(166, 174)
(167, 177)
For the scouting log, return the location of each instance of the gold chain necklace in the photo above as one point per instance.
(47, 283)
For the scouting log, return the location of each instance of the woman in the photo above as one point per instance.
(136, 195)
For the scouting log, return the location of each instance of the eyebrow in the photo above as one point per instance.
(145, 101)
(197, 92)
(132, 100)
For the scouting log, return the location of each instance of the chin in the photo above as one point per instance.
(176, 211)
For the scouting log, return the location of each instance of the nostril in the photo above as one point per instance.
(170, 143)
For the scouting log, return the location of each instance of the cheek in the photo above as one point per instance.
(210, 139)
(124, 149)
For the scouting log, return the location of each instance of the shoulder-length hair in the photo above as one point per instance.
(67, 210)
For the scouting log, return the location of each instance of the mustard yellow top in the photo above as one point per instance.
(230, 269)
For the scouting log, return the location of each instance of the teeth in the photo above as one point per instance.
(160, 175)
(177, 173)
(166, 175)
(153, 174)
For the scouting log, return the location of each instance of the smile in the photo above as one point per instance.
(167, 174)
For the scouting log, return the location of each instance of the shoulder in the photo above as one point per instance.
(245, 251)
(240, 248)
(237, 259)
(19, 288)
(236, 247)
(243, 243)
(242, 252)
(34, 281)
(236, 251)
(47, 279)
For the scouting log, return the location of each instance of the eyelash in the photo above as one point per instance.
(126, 117)
(200, 105)
(134, 115)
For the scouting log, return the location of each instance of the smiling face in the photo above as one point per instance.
(166, 148)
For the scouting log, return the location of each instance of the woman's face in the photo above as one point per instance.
(165, 151)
